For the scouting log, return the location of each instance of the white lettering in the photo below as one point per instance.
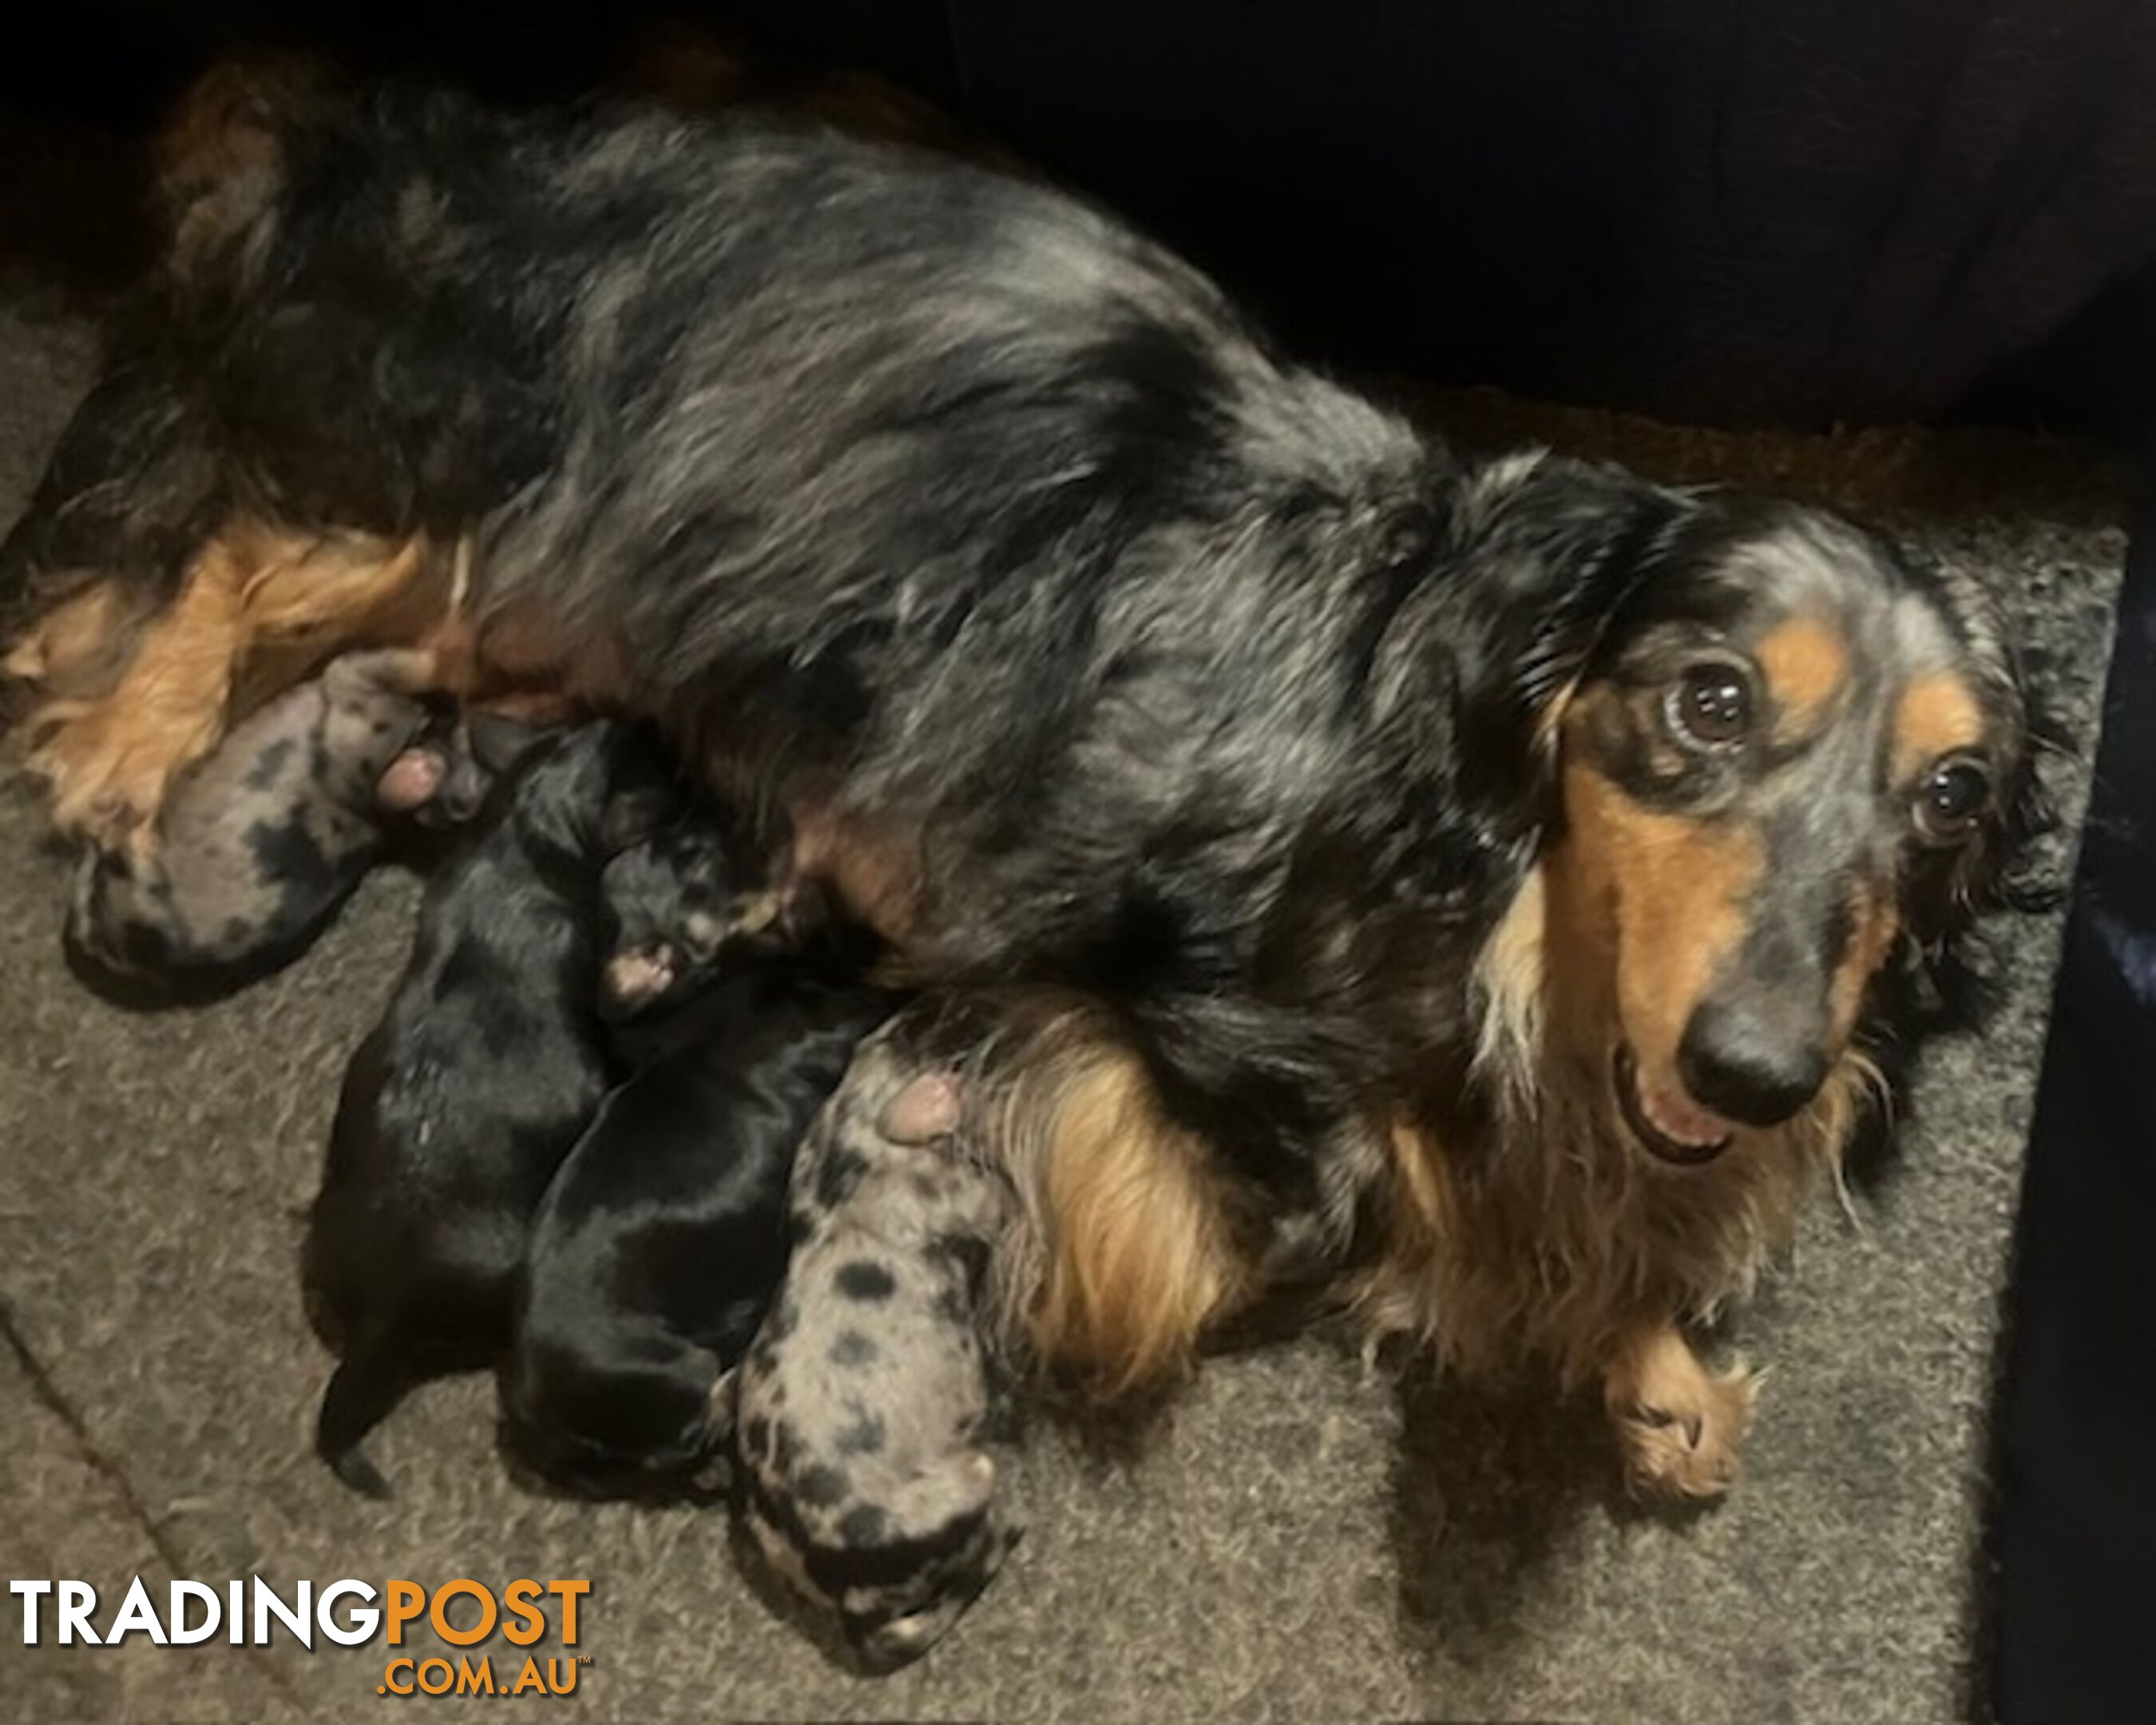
(136, 1616)
(298, 1619)
(177, 1611)
(78, 1599)
(30, 1593)
(364, 1618)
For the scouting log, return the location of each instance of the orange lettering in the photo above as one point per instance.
(440, 1616)
(406, 1600)
(569, 1592)
(533, 1621)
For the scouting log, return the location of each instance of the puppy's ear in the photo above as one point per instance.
(644, 791)
(633, 813)
(1554, 550)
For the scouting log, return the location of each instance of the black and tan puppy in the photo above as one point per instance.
(671, 908)
(460, 1105)
(663, 1237)
(263, 842)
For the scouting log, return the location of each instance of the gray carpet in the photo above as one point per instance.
(1300, 1537)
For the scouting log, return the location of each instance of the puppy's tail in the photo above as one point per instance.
(363, 1392)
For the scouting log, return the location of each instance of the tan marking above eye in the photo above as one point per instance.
(1806, 664)
(1937, 714)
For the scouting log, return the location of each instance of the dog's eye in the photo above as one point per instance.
(1951, 799)
(1711, 705)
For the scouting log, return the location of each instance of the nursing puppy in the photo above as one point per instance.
(868, 1403)
(263, 842)
(664, 1237)
(460, 1105)
(670, 909)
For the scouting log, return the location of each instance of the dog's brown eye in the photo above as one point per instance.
(1711, 705)
(1952, 797)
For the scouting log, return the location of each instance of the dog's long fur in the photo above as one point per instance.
(1217, 727)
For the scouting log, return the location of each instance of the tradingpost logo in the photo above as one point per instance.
(464, 1613)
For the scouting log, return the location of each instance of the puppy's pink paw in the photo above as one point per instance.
(928, 1108)
(410, 781)
(638, 975)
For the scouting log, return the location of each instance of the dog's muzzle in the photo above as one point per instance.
(1671, 1127)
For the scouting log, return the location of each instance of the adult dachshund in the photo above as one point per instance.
(1473, 886)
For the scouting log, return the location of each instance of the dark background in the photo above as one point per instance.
(1791, 212)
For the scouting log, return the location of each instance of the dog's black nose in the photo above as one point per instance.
(1742, 1065)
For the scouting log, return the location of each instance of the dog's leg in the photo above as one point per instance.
(110, 762)
(73, 642)
(1124, 1258)
(1681, 1427)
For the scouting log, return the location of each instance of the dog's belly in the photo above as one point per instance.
(870, 864)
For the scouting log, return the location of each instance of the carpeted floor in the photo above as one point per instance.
(1298, 1539)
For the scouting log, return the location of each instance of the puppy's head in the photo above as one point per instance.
(584, 795)
(434, 780)
(443, 777)
(671, 907)
(1790, 759)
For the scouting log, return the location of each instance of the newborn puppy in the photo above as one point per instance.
(866, 1403)
(460, 1105)
(266, 839)
(664, 1237)
(670, 906)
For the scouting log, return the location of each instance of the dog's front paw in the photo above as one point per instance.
(1681, 1428)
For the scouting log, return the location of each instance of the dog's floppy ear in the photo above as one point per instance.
(1555, 550)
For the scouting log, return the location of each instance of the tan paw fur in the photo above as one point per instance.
(1681, 1427)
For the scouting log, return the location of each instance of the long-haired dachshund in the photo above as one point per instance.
(1474, 885)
